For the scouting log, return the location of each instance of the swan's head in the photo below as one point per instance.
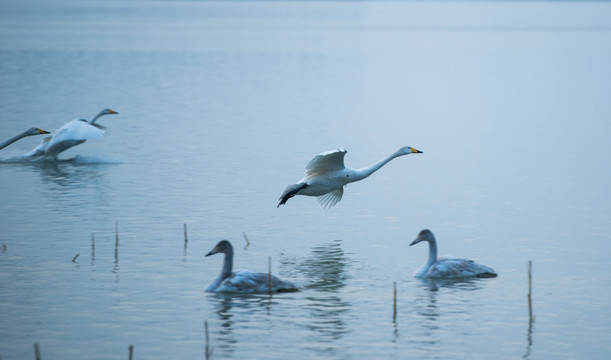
(102, 113)
(223, 246)
(36, 131)
(424, 235)
(408, 150)
(107, 112)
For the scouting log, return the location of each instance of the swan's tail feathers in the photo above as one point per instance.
(331, 198)
(291, 191)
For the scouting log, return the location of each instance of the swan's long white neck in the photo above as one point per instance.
(421, 272)
(100, 114)
(227, 264)
(13, 139)
(362, 173)
(432, 253)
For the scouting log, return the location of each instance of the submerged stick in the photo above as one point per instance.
(246, 239)
(530, 306)
(131, 352)
(92, 247)
(116, 242)
(531, 318)
(530, 278)
(74, 258)
(186, 239)
(394, 302)
(269, 274)
(37, 351)
(208, 349)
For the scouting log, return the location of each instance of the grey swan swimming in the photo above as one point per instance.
(447, 267)
(243, 281)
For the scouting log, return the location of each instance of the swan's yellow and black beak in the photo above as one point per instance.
(111, 111)
(415, 151)
(41, 131)
(213, 251)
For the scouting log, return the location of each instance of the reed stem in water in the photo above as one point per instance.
(394, 301)
(208, 348)
(37, 351)
(269, 274)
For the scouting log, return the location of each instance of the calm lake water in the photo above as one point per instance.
(221, 105)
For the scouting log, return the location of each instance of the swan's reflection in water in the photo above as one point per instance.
(77, 188)
(436, 299)
(229, 309)
(237, 315)
(224, 340)
(60, 174)
(435, 285)
(326, 270)
(75, 172)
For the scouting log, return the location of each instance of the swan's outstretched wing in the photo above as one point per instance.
(331, 198)
(73, 133)
(78, 129)
(327, 161)
(449, 267)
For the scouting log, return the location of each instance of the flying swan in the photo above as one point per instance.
(28, 132)
(72, 133)
(326, 175)
(447, 267)
(243, 281)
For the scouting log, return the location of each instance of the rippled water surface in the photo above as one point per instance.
(221, 105)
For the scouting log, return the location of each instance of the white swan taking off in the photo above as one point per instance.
(326, 175)
(243, 281)
(447, 267)
(70, 134)
(28, 132)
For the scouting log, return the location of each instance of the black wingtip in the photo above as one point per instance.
(290, 194)
(284, 199)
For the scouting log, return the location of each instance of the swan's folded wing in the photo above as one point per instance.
(244, 281)
(248, 282)
(449, 267)
(327, 161)
(331, 198)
